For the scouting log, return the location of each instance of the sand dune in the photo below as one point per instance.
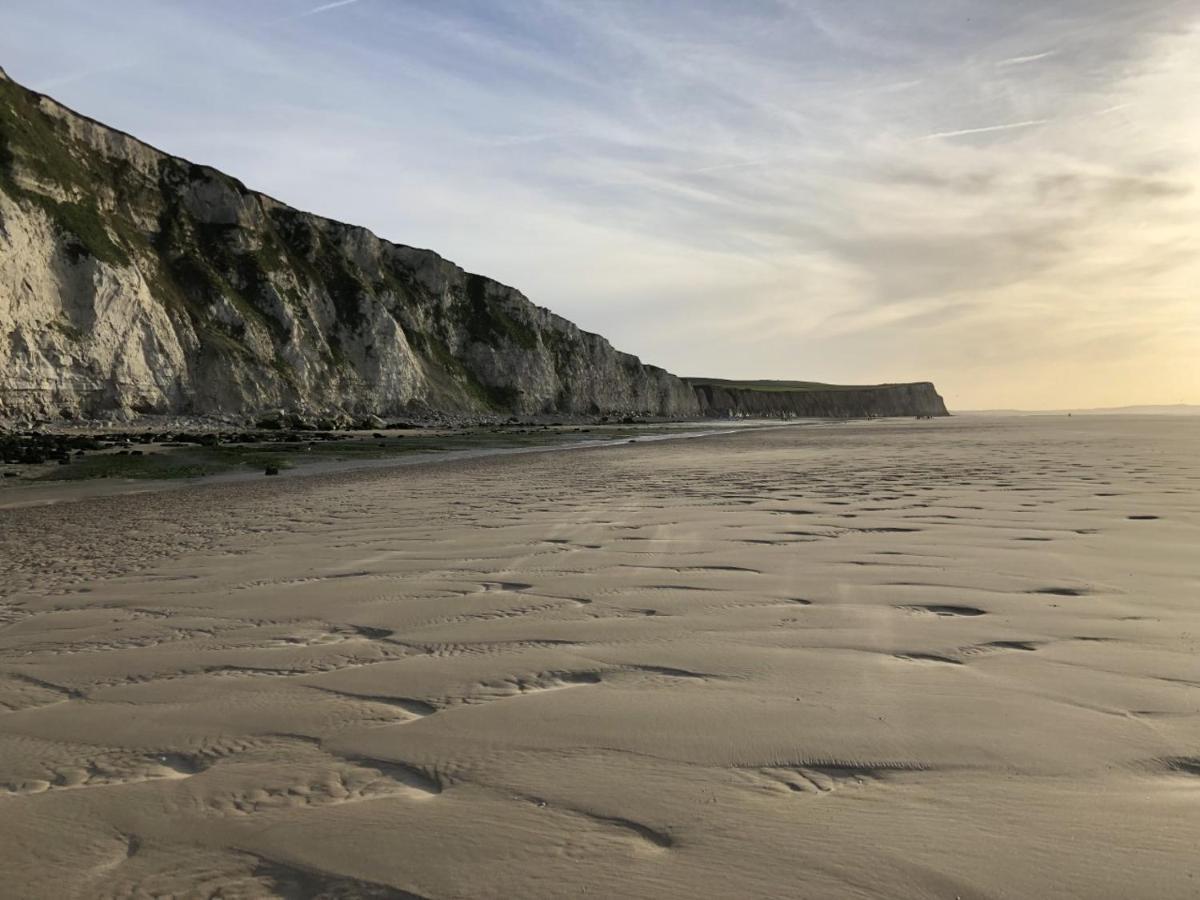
(936, 659)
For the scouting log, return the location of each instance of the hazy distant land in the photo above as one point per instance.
(1176, 409)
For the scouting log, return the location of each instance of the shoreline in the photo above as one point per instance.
(42, 491)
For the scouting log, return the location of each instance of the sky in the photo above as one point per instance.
(1003, 198)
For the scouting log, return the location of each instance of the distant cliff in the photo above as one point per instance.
(792, 399)
(136, 282)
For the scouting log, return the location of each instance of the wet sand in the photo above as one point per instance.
(894, 659)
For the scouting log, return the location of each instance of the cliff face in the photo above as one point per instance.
(133, 282)
(726, 400)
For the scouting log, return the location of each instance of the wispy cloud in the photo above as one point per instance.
(517, 140)
(1022, 60)
(986, 129)
(324, 7)
(57, 81)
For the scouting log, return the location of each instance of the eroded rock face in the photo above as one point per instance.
(135, 282)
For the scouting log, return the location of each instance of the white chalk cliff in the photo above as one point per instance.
(132, 281)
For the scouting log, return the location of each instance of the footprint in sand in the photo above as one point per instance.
(947, 610)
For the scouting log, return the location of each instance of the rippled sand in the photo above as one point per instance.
(917, 659)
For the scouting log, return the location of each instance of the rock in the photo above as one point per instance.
(297, 422)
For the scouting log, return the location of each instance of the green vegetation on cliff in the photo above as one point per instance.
(784, 386)
(38, 145)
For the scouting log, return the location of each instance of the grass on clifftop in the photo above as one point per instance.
(782, 386)
(32, 139)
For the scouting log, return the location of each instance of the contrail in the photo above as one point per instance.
(1021, 60)
(965, 131)
(316, 10)
(324, 7)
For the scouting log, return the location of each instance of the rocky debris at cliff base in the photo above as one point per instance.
(33, 448)
(154, 454)
(142, 454)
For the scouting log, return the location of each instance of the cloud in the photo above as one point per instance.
(54, 82)
(1023, 60)
(325, 7)
(986, 129)
(317, 10)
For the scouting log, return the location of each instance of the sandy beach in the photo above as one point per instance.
(948, 659)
